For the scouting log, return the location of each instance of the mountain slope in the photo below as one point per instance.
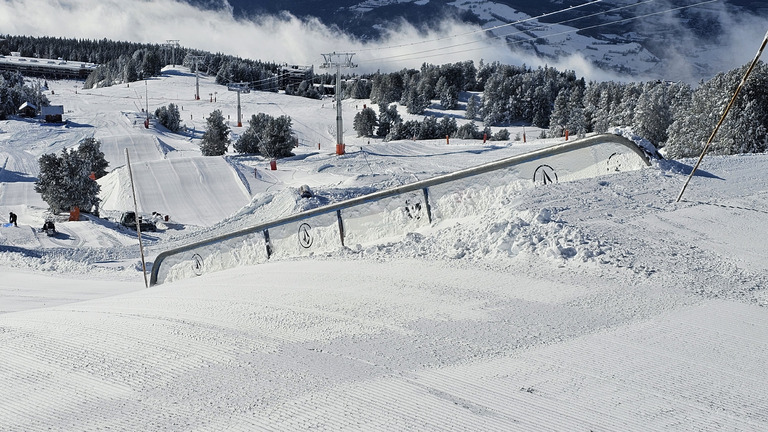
(667, 39)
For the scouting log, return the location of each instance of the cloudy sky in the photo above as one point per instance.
(287, 39)
(282, 39)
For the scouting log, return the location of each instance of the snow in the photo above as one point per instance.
(594, 304)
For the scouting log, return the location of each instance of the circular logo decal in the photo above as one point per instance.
(197, 264)
(305, 237)
(614, 163)
(544, 175)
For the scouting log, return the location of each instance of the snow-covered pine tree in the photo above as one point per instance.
(50, 181)
(577, 119)
(602, 114)
(129, 70)
(558, 120)
(250, 140)
(472, 105)
(278, 138)
(64, 182)
(467, 131)
(169, 117)
(90, 152)
(541, 108)
(387, 117)
(365, 121)
(652, 113)
(501, 135)
(447, 127)
(216, 137)
(449, 97)
(415, 101)
(386, 88)
(624, 112)
(429, 128)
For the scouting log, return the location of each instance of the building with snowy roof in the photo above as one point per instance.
(47, 68)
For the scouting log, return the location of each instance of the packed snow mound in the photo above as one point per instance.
(141, 148)
(164, 187)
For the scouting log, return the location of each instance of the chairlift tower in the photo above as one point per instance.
(173, 43)
(338, 60)
(197, 77)
(239, 87)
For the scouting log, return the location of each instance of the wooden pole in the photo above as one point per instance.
(138, 224)
(725, 113)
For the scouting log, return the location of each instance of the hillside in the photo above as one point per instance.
(650, 39)
(598, 304)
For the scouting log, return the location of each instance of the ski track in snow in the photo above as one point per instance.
(599, 304)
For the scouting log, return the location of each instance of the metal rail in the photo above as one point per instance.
(419, 185)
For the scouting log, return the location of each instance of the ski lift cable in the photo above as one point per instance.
(306, 126)
(482, 30)
(544, 26)
(616, 9)
(420, 55)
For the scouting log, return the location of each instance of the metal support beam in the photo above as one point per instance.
(197, 77)
(338, 60)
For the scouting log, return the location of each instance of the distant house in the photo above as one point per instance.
(53, 113)
(27, 110)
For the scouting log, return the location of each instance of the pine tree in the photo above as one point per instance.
(447, 127)
(449, 97)
(64, 182)
(501, 135)
(90, 152)
(652, 113)
(250, 140)
(558, 120)
(624, 114)
(429, 128)
(129, 71)
(278, 138)
(415, 101)
(365, 121)
(216, 137)
(169, 117)
(471, 112)
(577, 120)
(387, 117)
(541, 108)
(467, 131)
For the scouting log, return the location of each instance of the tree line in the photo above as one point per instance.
(123, 62)
(673, 115)
(14, 92)
(669, 114)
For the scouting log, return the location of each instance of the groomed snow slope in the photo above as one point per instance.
(593, 305)
(599, 304)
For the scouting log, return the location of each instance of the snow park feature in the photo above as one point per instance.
(591, 303)
(373, 218)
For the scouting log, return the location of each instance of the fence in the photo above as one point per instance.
(390, 213)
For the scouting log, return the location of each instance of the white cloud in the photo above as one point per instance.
(282, 39)
(287, 39)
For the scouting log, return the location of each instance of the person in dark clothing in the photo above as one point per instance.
(13, 219)
(48, 225)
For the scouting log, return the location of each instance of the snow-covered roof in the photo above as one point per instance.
(27, 105)
(49, 67)
(52, 110)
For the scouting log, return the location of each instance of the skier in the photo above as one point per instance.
(13, 219)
